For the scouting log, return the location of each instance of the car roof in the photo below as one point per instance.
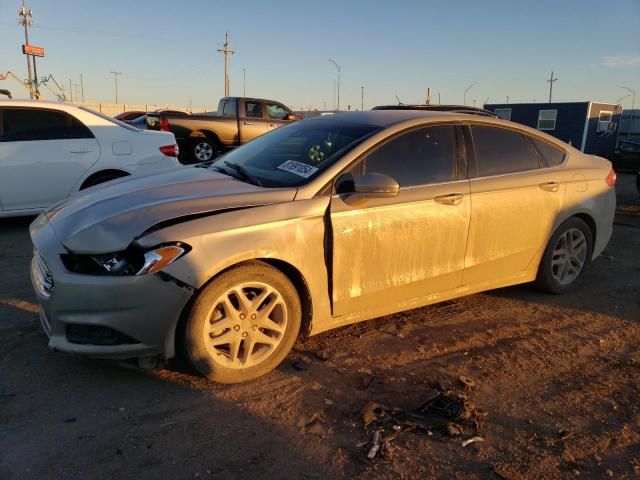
(387, 118)
(20, 102)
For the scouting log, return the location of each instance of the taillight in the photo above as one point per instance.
(164, 124)
(170, 150)
(611, 178)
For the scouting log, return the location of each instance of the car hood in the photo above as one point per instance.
(108, 218)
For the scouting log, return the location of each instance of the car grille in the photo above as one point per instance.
(42, 279)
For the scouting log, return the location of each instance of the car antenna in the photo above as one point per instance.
(399, 102)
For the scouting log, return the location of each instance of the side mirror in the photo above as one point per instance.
(291, 116)
(372, 185)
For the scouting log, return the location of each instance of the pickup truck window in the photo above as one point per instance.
(276, 112)
(253, 109)
(227, 108)
(294, 154)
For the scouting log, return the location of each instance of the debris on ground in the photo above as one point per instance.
(450, 413)
(472, 440)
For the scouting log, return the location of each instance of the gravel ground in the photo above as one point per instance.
(557, 376)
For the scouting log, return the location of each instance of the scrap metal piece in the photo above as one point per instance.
(472, 440)
(376, 446)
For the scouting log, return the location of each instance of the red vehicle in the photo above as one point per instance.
(128, 116)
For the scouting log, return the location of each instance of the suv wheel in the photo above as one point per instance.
(243, 324)
(203, 150)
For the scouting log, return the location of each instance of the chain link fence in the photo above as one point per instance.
(116, 108)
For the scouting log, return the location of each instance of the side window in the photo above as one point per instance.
(551, 155)
(501, 151)
(419, 157)
(276, 112)
(253, 109)
(28, 124)
(229, 108)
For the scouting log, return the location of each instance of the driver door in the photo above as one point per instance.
(392, 252)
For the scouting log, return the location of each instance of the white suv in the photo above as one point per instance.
(50, 150)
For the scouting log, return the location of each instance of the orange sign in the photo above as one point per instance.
(33, 50)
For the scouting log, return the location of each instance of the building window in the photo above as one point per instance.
(547, 119)
(604, 121)
(503, 113)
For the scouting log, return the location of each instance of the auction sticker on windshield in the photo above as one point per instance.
(297, 168)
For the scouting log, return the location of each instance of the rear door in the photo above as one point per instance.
(515, 200)
(43, 153)
(252, 120)
(397, 250)
(277, 115)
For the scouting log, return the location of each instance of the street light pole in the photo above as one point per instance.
(337, 68)
(633, 105)
(244, 82)
(362, 98)
(464, 102)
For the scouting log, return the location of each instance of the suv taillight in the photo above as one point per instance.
(170, 150)
(611, 178)
(164, 124)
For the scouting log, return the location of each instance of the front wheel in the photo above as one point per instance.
(243, 324)
(566, 257)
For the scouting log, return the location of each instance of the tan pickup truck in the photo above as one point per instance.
(202, 137)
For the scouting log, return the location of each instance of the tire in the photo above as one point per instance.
(203, 149)
(100, 179)
(561, 269)
(229, 342)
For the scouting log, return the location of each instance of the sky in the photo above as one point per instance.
(167, 49)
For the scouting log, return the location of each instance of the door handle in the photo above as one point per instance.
(272, 125)
(550, 186)
(450, 199)
(247, 123)
(79, 150)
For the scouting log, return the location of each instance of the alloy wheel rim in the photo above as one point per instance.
(569, 256)
(245, 325)
(203, 151)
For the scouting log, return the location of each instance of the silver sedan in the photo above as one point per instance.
(316, 225)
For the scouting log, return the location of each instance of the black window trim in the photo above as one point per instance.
(459, 172)
(39, 108)
(471, 150)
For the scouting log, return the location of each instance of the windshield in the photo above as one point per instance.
(110, 119)
(292, 155)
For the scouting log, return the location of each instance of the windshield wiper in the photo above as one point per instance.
(243, 173)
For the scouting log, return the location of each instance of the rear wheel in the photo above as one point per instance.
(204, 149)
(243, 324)
(566, 257)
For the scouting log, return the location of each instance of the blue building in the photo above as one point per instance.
(588, 126)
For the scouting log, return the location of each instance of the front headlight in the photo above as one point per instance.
(133, 261)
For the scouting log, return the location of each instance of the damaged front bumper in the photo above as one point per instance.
(110, 317)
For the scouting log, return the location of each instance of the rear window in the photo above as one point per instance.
(551, 155)
(31, 124)
(500, 151)
(110, 119)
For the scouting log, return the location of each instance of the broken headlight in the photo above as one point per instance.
(133, 261)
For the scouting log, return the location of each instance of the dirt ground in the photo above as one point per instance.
(558, 377)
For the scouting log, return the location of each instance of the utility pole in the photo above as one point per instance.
(115, 75)
(439, 98)
(70, 91)
(82, 88)
(25, 20)
(226, 53)
(507, 98)
(550, 82)
(428, 96)
(244, 82)
(362, 98)
(338, 68)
